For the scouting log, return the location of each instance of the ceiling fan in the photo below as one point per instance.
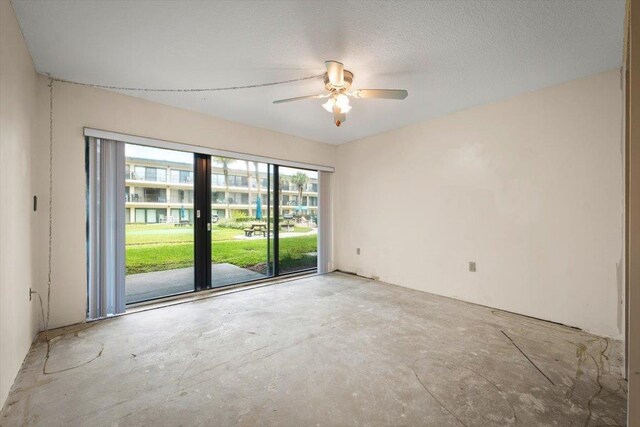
(338, 82)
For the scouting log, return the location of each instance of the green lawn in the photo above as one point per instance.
(161, 247)
(146, 234)
(161, 233)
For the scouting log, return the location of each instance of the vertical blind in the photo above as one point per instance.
(325, 261)
(106, 228)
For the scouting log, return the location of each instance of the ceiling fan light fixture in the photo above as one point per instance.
(329, 105)
(342, 101)
(345, 108)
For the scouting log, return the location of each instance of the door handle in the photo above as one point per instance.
(208, 226)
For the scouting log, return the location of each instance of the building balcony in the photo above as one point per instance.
(149, 204)
(157, 184)
(253, 206)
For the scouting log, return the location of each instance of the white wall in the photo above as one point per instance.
(76, 107)
(18, 317)
(530, 188)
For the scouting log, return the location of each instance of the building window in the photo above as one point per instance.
(138, 173)
(238, 181)
(181, 177)
(150, 195)
(181, 214)
(217, 180)
(150, 174)
(141, 217)
(217, 197)
(181, 196)
(238, 198)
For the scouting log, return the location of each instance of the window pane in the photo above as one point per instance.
(151, 216)
(150, 174)
(298, 224)
(241, 248)
(139, 173)
(159, 241)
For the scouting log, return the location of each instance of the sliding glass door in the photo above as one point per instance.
(241, 221)
(298, 220)
(159, 218)
(194, 221)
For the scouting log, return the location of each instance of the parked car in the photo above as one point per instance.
(214, 218)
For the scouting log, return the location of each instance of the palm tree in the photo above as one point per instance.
(283, 181)
(249, 186)
(300, 180)
(255, 166)
(225, 162)
(258, 184)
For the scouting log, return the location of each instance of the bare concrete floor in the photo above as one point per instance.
(326, 350)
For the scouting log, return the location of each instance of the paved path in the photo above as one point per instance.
(145, 286)
(283, 234)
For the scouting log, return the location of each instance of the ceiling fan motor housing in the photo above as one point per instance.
(348, 80)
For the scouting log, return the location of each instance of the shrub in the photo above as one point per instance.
(240, 216)
(231, 223)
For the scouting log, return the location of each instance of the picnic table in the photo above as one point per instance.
(256, 228)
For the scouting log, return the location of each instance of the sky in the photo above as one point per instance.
(153, 153)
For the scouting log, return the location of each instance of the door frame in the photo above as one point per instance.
(202, 221)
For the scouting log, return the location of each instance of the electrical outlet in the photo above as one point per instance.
(472, 266)
(358, 251)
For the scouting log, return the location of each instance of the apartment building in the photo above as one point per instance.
(162, 192)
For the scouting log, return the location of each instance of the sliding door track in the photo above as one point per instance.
(210, 293)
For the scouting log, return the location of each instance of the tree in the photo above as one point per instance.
(300, 180)
(225, 162)
(255, 166)
(249, 186)
(283, 182)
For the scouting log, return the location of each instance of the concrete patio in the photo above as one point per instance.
(146, 286)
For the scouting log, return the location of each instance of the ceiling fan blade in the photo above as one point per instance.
(335, 71)
(280, 101)
(380, 93)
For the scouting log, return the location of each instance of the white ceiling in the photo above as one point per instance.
(449, 55)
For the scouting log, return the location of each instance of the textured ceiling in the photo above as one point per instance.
(449, 55)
